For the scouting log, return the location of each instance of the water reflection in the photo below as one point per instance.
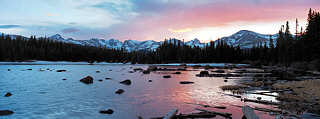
(42, 94)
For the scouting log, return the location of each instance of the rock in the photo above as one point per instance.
(120, 91)
(109, 111)
(61, 70)
(186, 82)
(220, 107)
(8, 94)
(131, 71)
(137, 69)
(152, 68)
(64, 79)
(259, 98)
(225, 80)
(108, 78)
(9, 69)
(146, 72)
(97, 71)
(5, 112)
(100, 80)
(29, 69)
(110, 70)
(150, 80)
(177, 73)
(183, 64)
(126, 82)
(167, 76)
(87, 80)
(204, 73)
(219, 71)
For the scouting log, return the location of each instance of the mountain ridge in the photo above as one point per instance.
(242, 38)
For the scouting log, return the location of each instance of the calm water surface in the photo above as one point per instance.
(43, 94)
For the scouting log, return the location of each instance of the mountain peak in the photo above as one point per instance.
(57, 36)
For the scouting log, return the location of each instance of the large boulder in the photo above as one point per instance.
(87, 80)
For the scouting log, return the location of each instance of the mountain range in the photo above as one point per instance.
(243, 38)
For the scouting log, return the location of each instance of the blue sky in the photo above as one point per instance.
(148, 19)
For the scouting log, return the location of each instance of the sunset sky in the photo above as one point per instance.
(149, 19)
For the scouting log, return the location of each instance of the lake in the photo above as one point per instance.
(41, 93)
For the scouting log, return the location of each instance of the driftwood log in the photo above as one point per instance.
(248, 112)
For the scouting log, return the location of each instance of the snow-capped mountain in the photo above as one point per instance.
(195, 43)
(243, 38)
(248, 39)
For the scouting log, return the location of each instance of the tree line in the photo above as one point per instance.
(285, 50)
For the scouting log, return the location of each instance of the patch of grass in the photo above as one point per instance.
(305, 91)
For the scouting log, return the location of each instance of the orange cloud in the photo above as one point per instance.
(180, 30)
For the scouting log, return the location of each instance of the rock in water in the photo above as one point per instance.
(120, 91)
(152, 68)
(126, 82)
(87, 80)
(177, 73)
(186, 82)
(109, 111)
(61, 70)
(8, 94)
(167, 76)
(204, 73)
(5, 112)
(146, 72)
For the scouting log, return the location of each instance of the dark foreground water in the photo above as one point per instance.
(40, 93)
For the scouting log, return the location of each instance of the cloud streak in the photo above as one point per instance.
(9, 26)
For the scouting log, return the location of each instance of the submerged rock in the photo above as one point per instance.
(87, 80)
(61, 70)
(167, 76)
(64, 79)
(8, 94)
(120, 91)
(186, 82)
(109, 111)
(97, 71)
(126, 82)
(5, 112)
